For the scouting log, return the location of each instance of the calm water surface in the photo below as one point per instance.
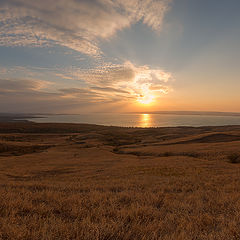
(142, 120)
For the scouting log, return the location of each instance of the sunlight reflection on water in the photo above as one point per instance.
(145, 120)
(141, 120)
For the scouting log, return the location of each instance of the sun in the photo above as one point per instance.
(142, 85)
(146, 99)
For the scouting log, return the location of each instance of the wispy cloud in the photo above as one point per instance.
(108, 84)
(126, 79)
(21, 85)
(78, 25)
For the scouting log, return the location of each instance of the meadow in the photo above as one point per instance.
(79, 181)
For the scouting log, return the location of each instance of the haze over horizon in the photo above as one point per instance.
(74, 56)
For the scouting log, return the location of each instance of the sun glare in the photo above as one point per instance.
(142, 85)
(146, 99)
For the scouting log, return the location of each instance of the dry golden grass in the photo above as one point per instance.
(66, 181)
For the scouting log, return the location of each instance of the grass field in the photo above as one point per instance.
(67, 181)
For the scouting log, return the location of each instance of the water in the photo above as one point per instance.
(142, 120)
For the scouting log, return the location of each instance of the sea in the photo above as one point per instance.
(141, 119)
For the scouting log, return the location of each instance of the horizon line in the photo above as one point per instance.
(179, 112)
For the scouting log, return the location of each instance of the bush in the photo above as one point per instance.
(234, 158)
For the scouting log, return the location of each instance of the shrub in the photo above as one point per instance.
(234, 158)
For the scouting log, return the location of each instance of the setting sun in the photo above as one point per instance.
(142, 85)
(146, 99)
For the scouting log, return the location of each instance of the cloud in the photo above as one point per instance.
(76, 24)
(21, 85)
(100, 86)
(82, 95)
(109, 89)
(118, 83)
(126, 79)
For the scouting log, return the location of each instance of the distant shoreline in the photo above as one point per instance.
(109, 119)
(8, 118)
(38, 115)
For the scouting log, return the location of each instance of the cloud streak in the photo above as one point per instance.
(75, 24)
(21, 85)
(108, 84)
(126, 79)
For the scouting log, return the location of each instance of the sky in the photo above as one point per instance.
(81, 56)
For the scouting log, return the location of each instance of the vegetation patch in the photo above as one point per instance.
(156, 171)
(234, 158)
(17, 150)
(120, 139)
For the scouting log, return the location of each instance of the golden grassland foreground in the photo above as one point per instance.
(75, 181)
